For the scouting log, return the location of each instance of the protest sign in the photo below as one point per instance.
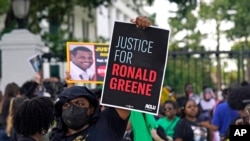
(136, 67)
(36, 62)
(86, 62)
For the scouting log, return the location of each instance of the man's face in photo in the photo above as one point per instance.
(82, 59)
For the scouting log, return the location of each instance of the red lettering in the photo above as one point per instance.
(131, 72)
(141, 88)
(112, 84)
(148, 90)
(138, 74)
(129, 86)
(152, 76)
(134, 87)
(121, 83)
(145, 75)
(134, 73)
(123, 70)
(115, 69)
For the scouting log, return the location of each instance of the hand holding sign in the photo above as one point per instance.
(136, 66)
(141, 22)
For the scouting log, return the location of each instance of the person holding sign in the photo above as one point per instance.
(81, 61)
(79, 117)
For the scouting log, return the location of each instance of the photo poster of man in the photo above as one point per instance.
(36, 62)
(86, 61)
(136, 68)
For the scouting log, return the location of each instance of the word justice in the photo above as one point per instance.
(134, 44)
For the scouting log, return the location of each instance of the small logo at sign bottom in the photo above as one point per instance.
(150, 107)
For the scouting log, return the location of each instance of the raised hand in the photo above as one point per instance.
(141, 22)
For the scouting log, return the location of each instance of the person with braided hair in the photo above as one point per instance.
(33, 119)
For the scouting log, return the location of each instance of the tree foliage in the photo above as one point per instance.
(4, 5)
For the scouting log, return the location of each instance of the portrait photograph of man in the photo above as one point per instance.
(82, 62)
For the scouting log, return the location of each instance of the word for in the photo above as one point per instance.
(123, 56)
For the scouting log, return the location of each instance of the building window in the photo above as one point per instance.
(71, 25)
(118, 14)
(125, 18)
(85, 29)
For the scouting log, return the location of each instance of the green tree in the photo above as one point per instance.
(241, 30)
(217, 10)
(185, 55)
(4, 5)
(56, 13)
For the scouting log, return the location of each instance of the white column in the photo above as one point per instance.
(46, 69)
(17, 46)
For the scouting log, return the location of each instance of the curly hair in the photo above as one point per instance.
(29, 88)
(238, 96)
(173, 103)
(34, 116)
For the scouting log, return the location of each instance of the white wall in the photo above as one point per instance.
(122, 10)
(81, 14)
(100, 25)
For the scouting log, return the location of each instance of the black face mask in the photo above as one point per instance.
(75, 117)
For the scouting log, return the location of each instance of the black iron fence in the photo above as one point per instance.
(217, 69)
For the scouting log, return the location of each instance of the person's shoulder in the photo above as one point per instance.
(161, 119)
(197, 96)
(222, 104)
(109, 111)
(182, 121)
(177, 118)
(22, 138)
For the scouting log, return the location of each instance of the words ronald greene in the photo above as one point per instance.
(127, 78)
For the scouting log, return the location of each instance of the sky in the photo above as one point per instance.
(162, 8)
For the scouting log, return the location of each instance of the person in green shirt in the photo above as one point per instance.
(169, 121)
(144, 127)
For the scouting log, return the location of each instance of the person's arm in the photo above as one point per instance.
(178, 139)
(216, 119)
(208, 125)
(179, 130)
(155, 136)
(67, 78)
(141, 22)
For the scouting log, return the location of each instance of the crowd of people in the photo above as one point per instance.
(77, 115)
(46, 110)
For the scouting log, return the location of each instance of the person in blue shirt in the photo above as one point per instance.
(223, 116)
